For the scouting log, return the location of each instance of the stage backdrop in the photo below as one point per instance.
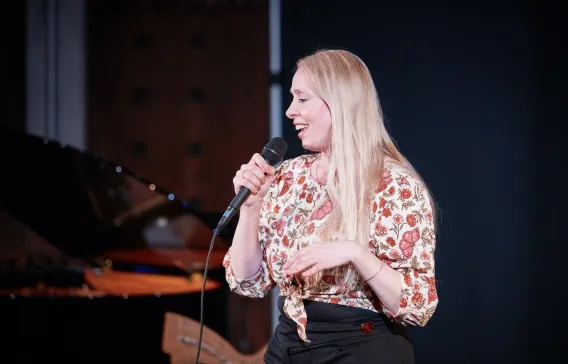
(472, 96)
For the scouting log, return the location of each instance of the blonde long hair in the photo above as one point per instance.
(360, 143)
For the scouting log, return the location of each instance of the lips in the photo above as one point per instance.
(301, 129)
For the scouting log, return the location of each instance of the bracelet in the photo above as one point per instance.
(374, 275)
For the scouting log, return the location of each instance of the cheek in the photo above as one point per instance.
(318, 115)
(324, 117)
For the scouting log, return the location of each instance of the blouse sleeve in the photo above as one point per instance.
(260, 283)
(255, 286)
(404, 238)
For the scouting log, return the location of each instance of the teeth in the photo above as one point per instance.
(300, 127)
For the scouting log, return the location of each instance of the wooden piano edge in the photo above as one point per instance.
(180, 338)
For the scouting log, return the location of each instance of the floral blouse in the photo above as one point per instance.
(401, 235)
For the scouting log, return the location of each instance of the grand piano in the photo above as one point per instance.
(92, 255)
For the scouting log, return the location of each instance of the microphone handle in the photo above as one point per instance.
(234, 206)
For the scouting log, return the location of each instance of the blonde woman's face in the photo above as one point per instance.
(310, 114)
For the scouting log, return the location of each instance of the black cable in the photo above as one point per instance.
(215, 234)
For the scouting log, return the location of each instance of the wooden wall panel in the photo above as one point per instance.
(179, 92)
(186, 85)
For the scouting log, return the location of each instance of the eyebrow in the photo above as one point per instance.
(296, 91)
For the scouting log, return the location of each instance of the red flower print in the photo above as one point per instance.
(398, 219)
(391, 190)
(403, 303)
(302, 195)
(384, 257)
(286, 241)
(301, 180)
(382, 202)
(384, 184)
(381, 229)
(417, 299)
(405, 193)
(432, 295)
(310, 198)
(407, 280)
(268, 205)
(387, 212)
(375, 207)
(276, 209)
(385, 181)
(411, 220)
(390, 241)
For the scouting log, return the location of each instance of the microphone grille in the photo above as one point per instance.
(274, 151)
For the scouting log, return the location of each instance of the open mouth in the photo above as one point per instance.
(301, 129)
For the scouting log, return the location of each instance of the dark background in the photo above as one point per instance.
(473, 92)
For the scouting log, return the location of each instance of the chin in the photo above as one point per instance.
(310, 147)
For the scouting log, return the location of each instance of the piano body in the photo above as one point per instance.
(92, 256)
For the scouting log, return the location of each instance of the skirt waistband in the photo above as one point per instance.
(328, 321)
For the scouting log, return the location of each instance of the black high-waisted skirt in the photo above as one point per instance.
(339, 334)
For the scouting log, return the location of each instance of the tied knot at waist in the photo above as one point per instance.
(291, 289)
(293, 307)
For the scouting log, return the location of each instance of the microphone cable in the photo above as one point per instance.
(215, 234)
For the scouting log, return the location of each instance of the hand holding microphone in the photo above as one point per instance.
(257, 176)
(253, 180)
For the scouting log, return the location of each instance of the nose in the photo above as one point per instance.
(291, 113)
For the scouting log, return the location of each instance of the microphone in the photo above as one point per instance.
(273, 153)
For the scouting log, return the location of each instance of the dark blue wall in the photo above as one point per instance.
(466, 91)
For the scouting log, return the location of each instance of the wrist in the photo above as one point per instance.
(357, 252)
(252, 211)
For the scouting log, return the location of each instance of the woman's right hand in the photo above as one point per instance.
(257, 176)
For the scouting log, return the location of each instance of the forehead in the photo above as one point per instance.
(301, 82)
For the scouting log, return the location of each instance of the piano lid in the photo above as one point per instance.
(55, 198)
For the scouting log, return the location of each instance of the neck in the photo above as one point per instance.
(325, 156)
(320, 168)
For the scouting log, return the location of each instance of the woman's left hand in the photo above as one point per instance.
(319, 256)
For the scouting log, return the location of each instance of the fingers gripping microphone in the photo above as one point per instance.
(273, 153)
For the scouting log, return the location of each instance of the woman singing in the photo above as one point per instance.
(347, 233)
